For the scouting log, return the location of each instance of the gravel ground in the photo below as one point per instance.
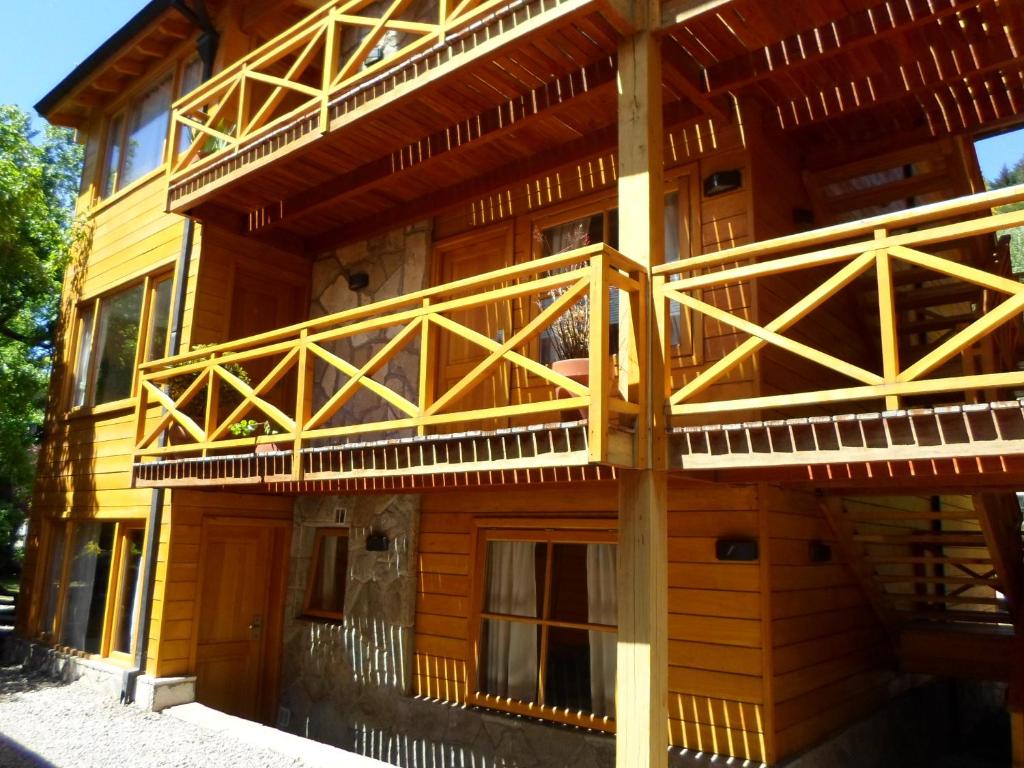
(44, 723)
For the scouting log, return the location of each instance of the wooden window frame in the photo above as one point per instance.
(115, 591)
(149, 285)
(314, 563)
(121, 530)
(42, 581)
(181, 58)
(540, 530)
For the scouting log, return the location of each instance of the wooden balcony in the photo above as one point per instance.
(894, 338)
(423, 385)
(348, 61)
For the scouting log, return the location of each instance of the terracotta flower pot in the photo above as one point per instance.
(577, 369)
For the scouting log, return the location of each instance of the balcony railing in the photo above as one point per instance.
(890, 281)
(460, 356)
(339, 47)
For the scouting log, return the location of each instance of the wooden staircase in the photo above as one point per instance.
(943, 574)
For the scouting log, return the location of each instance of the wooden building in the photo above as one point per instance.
(308, 453)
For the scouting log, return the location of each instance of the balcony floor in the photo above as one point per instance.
(536, 453)
(988, 435)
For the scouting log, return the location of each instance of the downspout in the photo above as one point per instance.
(206, 47)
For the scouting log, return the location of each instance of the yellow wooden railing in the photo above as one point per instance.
(831, 260)
(299, 72)
(188, 404)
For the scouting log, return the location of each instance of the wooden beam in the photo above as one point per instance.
(869, 26)
(1000, 518)
(642, 651)
(597, 141)
(675, 12)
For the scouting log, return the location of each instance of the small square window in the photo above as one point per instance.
(328, 574)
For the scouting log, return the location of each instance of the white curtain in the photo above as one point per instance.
(601, 609)
(81, 581)
(511, 664)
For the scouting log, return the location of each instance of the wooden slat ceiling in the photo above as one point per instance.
(853, 76)
(847, 73)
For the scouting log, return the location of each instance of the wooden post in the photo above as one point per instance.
(887, 320)
(641, 679)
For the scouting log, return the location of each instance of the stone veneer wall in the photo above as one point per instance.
(348, 684)
(396, 264)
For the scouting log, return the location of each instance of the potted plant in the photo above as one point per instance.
(251, 428)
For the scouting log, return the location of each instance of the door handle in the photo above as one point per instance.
(256, 625)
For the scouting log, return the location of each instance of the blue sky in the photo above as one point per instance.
(43, 40)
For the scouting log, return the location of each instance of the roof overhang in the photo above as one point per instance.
(138, 45)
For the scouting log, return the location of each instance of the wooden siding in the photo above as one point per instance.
(831, 659)
(173, 632)
(716, 695)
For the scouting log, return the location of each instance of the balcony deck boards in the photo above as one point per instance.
(959, 431)
(497, 453)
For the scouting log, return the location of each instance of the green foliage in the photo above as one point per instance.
(249, 428)
(39, 175)
(1008, 177)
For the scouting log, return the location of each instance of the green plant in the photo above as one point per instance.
(228, 398)
(249, 428)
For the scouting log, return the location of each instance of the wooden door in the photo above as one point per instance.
(456, 259)
(234, 617)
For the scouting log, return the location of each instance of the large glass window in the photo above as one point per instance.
(88, 581)
(548, 626)
(54, 575)
(84, 358)
(108, 350)
(129, 589)
(116, 340)
(325, 594)
(137, 134)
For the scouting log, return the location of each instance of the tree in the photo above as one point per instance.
(39, 175)
(1007, 177)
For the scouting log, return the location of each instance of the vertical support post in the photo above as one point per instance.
(887, 320)
(212, 402)
(244, 101)
(427, 360)
(303, 400)
(330, 66)
(641, 679)
(597, 422)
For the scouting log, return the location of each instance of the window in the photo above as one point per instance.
(93, 586)
(137, 135)
(325, 593)
(129, 589)
(54, 578)
(112, 329)
(92, 550)
(603, 226)
(547, 624)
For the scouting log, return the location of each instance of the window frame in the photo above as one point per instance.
(181, 57)
(122, 528)
(111, 618)
(93, 309)
(544, 530)
(49, 635)
(323, 532)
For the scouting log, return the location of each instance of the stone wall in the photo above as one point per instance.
(348, 683)
(396, 264)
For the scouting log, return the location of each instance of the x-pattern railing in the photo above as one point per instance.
(896, 240)
(301, 70)
(273, 378)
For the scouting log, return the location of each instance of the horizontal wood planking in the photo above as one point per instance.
(824, 635)
(716, 692)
